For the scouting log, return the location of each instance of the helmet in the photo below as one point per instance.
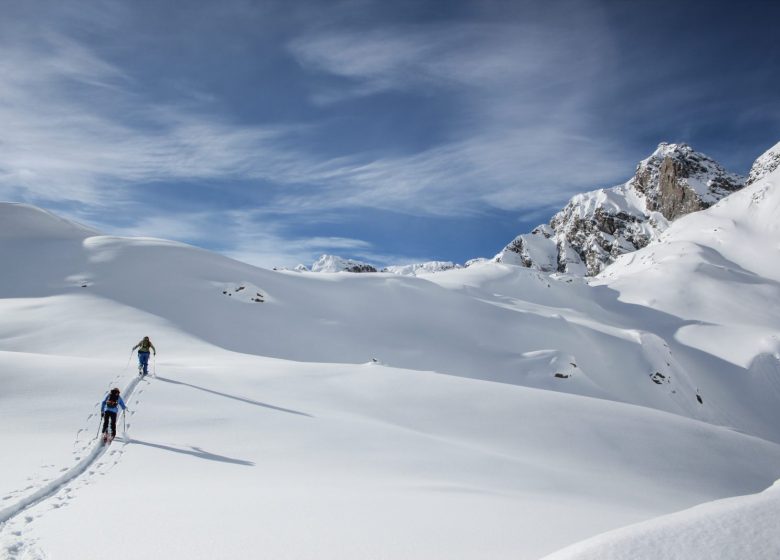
(115, 390)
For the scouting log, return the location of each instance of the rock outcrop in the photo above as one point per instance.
(596, 227)
(764, 165)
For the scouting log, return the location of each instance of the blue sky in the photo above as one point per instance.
(391, 132)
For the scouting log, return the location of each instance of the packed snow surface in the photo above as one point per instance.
(486, 412)
(730, 529)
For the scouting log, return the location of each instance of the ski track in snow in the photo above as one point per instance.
(94, 459)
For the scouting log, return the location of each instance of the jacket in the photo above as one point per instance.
(142, 348)
(105, 408)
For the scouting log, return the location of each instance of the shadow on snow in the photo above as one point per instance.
(242, 399)
(194, 451)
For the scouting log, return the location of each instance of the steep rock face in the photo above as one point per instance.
(676, 180)
(764, 165)
(596, 227)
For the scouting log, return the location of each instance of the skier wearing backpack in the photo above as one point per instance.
(143, 354)
(108, 411)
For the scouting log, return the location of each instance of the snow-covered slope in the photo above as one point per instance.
(596, 227)
(718, 272)
(731, 529)
(491, 411)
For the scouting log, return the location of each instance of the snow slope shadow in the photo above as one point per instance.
(242, 399)
(195, 452)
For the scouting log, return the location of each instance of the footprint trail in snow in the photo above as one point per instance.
(93, 458)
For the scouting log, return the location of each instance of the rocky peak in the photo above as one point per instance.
(765, 164)
(598, 226)
(676, 180)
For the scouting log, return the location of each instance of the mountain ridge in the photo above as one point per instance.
(595, 227)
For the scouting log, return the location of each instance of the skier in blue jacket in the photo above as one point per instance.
(108, 411)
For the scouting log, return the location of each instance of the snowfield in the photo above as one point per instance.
(486, 412)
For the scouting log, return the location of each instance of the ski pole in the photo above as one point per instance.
(124, 425)
(130, 357)
(154, 364)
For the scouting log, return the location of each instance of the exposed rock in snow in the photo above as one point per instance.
(244, 292)
(676, 180)
(421, 268)
(332, 263)
(765, 164)
(596, 227)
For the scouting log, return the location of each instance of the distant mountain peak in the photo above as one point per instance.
(421, 268)
(333, 263)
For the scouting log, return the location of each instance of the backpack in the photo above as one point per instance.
(144, 345)
(112, 400)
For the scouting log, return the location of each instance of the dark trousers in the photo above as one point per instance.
(109, 417)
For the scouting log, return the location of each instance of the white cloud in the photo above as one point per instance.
(249, 236)
(520, 136)
(484, 58)
(77, 127)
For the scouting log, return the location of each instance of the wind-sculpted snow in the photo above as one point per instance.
(731, 529)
